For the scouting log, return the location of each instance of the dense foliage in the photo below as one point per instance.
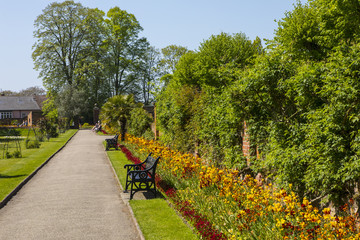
(115, 113)
(299, 97)
(140, 123)
(198, 111)
(121, 114)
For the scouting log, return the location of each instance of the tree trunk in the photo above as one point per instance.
(123, 129)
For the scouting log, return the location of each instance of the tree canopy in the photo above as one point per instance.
(79, 49)
(61, 35)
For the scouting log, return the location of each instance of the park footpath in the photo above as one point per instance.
(74, 196)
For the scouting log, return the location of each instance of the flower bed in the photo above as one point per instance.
(203, 226)
(223, 206)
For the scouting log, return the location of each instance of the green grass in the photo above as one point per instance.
(14, 170)
(118, 160)
(157, 220)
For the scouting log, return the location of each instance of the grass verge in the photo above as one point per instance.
(157, 220)
(118, 160)
(14, 170)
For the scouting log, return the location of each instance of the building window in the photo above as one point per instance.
(4, 115)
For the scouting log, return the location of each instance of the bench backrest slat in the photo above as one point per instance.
(151, 164)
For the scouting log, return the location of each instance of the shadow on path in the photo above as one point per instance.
(14, 176)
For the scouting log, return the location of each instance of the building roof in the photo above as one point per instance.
(10, 103)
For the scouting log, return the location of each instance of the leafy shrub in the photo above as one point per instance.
(140, 122)
(32, 143)
(17, 154)
(40, 137)
(148, 135)
(63, 124)
(53, 131)
(8, 155)
(48, 128)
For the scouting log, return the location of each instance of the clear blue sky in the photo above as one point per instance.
(165, 22)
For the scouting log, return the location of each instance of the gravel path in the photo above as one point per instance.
(75, 196)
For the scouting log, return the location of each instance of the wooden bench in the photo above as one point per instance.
(112, 142)
(141, 176)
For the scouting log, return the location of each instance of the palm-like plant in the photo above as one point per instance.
(116, 111)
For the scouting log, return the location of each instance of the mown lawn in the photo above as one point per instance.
(14, 170)
(157, 220)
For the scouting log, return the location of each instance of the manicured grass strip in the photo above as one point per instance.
(14, 170)
(118, 160)
(157, 220)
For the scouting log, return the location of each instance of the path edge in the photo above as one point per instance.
(122, 198)
(27, 179)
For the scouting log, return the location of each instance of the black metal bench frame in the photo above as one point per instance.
(141, 176)
(112, 142)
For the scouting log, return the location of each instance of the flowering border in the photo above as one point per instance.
(200, 222)
(249, 207)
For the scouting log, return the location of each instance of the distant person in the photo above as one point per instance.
(97, 127)
(22, 124)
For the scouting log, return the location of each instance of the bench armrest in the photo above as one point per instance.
(132, 167)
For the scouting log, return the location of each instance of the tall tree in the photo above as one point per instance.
(298, 34)
(149, 74)
(68, 54)
(124, 48)
(7, 93)
(72, 103)
(170, 58)
(60, 34)
(339, 21)
(25, 92)
(92, 69)
(32, 91)
(221, 55)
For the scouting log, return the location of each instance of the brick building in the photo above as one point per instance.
(21, 108)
